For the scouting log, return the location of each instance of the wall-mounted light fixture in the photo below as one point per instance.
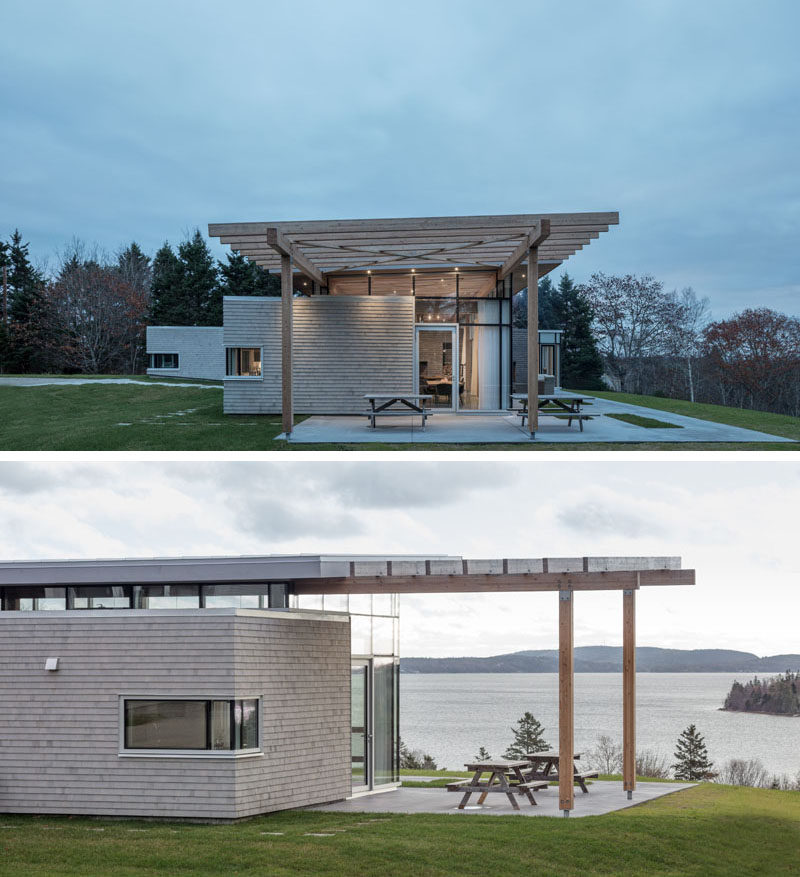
(51, 664)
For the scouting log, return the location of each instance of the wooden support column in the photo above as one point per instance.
(629, 691)
(566, 718)
(287, 295)
(533, 340)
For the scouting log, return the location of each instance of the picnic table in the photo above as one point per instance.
(506, 777)
(555, 404)
(544, 766)
(396, 405)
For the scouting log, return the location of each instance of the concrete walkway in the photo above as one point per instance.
(506, 428)
(603, 797)
(56, 381)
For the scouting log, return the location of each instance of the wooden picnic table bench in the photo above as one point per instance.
(505, 777)
(544, 766)
(564, 405)
(397, 405)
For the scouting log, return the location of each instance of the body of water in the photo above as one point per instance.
(450, 715)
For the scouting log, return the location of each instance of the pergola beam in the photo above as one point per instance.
(285, 247)
(613, 580)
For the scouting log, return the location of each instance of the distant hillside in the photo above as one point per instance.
(608, 659)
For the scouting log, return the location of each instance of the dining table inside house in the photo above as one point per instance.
(543, 767)
(504, 776)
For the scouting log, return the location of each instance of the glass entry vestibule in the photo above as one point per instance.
(374, 725)
(465, 365)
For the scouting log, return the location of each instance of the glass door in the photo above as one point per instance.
(360, 736)
(436, 371)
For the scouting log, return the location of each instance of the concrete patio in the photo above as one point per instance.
(506, 428)
(603, 797)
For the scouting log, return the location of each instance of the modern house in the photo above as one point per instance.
(199, 352)
(220, 688)
(388, 305)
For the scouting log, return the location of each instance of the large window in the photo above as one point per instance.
(199, 725)
(166, 597)
(99, 597)
(33, 599)
(163, 360)
(243, 362)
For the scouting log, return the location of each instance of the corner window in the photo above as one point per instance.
(163, 360)
(191, 725)
(243, 362)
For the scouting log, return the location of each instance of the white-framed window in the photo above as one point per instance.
(243, 362)
(163, 360)
(177, 726)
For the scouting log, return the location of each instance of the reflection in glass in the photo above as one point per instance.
(382, 635)
(480, 365)
(166, 597)
(34, 599)
(165, 724)
(360, 635)
(386, 725)
(99, 597)
(358, 724)
(435, 310)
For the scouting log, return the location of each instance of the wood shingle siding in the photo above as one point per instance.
(200, 351)
(344, 346)
(59, 731)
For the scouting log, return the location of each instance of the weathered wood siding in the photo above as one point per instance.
(201, 353)
(344, 346)
(59, 732)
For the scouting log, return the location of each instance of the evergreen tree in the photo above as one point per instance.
(548, 303)
(581, 363)
(23, 350)
(528, 737)
(691, 757)
(482, 755)
(166, 306)
(240, 276)
(134, 268)
(200, 290)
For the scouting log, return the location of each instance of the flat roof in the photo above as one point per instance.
(497, 242)
(361, 573)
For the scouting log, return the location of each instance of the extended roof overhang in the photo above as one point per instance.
(497, 243)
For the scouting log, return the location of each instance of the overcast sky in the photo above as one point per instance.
(142, 121)
(735, 523)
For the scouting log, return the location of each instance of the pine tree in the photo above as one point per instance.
(26, 285)
(482, 755)
(528, 737)
(692, 757)
(581, 363)
(200, 290)
(240, 276)
(134, 268)
(166, 306)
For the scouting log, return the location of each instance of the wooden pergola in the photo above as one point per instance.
(564, 576)
(320, 248)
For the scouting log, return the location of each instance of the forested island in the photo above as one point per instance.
(778, 695)
(608, 659)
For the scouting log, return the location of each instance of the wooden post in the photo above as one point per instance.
(629, 691)
(287, 293)
(566, 720)
(5, 295)
(533, 340)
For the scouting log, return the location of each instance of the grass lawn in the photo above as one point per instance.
(646, 422)
(706, 830)
(151, 417)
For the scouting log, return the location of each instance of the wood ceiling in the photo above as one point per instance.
(491, 242)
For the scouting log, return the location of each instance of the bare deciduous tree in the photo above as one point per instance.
(744, 772)
(606, 755)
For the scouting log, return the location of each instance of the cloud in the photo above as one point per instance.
(597, 517)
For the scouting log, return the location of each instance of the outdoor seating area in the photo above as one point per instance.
(606, 796)
(517, 778)
(563, 405)
(505, 428)
(397, 404)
